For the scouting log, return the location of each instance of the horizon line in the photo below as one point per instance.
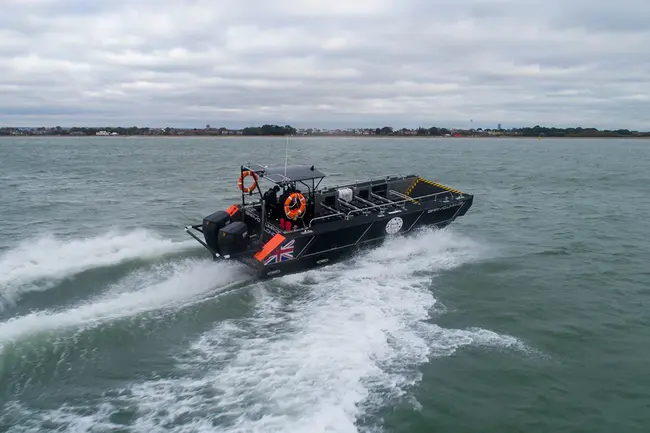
(340, 128)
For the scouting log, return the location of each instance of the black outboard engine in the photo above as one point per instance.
(233, 238)
(225, 233)
(211, 226)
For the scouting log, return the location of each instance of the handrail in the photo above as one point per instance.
(404, 196)
(368, 208)
(324, 217)
(410, 199)
(383, 205)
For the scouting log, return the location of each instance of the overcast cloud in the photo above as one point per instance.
(325, 62)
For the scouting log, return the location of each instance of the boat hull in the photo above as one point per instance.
(329, 243)
(337, 222)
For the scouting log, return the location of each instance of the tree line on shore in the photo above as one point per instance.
(277, 130)
(535, 131)
(135, 130)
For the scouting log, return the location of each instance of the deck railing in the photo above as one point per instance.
(346, 215)
(372, 181)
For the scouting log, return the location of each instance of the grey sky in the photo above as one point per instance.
(325, 62)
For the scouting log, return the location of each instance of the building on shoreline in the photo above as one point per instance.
(276, 130)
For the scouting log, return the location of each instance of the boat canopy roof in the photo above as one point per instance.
(292, 173)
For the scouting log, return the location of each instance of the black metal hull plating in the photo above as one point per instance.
(328, 243)
(342, 220)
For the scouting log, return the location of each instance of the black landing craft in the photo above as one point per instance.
(303, 230)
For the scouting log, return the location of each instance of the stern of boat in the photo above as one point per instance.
(225, 233)
(420, 187)
(434, 194)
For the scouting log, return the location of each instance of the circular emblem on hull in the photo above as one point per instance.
(394, 225)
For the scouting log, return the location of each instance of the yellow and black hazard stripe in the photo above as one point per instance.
(413, 185)
(441, 186)
(411, 188)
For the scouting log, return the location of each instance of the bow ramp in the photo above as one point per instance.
(295, 225)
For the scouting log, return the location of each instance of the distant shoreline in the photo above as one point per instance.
(267, 131)
(383, 137)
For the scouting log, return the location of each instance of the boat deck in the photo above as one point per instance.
(378, 196)
(375, 196)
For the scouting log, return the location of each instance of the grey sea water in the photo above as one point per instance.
(530, 314)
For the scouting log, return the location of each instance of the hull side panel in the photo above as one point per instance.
(315, 248)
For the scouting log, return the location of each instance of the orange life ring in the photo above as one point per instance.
(295, 213)
(240, 182)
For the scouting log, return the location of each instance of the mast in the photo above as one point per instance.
(286, 156)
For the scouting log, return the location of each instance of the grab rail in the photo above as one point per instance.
(324, 217)
(383, 205)
(402, 196)
(409, 199)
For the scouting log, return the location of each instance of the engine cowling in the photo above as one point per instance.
(211, 226)
(233, 238)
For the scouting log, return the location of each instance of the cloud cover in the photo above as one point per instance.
(325, 62)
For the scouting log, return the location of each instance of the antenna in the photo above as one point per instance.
(286, 156)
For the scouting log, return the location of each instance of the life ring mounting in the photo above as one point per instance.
(244, 175)
(293, 214)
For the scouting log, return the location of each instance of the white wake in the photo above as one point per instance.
(171, 286)
(37, 265)
(316, 356)
(322, 349)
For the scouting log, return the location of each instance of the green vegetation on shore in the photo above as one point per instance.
(276, 130)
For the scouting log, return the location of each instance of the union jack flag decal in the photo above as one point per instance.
(281, 254)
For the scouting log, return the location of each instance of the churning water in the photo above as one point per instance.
(528, 313)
